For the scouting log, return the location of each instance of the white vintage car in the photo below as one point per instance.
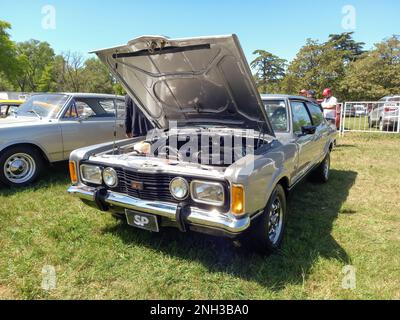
(47, 127)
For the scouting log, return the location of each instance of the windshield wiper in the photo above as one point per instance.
(35, 113)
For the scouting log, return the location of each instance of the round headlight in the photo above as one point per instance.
(110, 177)
(179, 188)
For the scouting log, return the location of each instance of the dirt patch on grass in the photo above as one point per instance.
(6, 293)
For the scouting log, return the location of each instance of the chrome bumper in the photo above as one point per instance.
(197, 217)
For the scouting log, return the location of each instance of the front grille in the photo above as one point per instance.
(155, 186)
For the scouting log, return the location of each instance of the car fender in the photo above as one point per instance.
(36, 144)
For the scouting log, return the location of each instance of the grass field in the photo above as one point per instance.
(352, 220)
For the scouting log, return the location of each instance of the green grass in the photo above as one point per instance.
(352, 220)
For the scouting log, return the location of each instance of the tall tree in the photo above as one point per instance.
(375, 74)
(8, 61)
(97, 77)
(270, 69)
(344, 42)
(33, 58)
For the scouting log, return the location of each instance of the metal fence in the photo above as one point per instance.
(369, 116)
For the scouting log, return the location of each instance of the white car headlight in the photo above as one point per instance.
(179, 188)
(91, 174)
(110, 177)
(208, 192)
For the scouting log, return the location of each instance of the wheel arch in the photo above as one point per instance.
(284, 182)
(31, 145)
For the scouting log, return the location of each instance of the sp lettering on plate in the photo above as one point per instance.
(141, 221)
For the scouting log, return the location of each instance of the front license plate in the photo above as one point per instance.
(142, 220)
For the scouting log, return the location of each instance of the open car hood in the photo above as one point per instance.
(194, 80)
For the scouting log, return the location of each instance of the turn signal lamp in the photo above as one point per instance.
(237, 207)
(72, 172)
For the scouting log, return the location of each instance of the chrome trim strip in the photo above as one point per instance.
(200, 217)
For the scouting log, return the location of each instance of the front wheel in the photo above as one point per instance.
(20, 166)
(266, 234)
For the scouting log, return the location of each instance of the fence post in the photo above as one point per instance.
(342, 115)
(398, 118)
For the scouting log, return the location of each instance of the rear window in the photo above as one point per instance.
(277, 114)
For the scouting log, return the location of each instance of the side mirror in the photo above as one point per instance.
(308, 129)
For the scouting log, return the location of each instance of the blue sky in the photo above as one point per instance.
(280, 27)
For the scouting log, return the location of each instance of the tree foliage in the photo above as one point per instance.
(376, 74)
(8, 61)
(342, 64)
(270, 69)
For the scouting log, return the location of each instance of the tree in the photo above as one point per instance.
(321, 65)
(8, 62)
(73, 71)
(269, 68)
(97, 77)
(33, 57)
(375, 74)
(345, 43)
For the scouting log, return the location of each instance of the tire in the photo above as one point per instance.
(321, 173)
(261, 237)
(20, 166)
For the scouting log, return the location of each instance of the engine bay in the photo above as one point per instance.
(221, 149)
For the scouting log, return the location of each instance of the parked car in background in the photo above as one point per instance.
(9, 106)
(385, 114)
(47, 127)
(238, 190)
(360, 110)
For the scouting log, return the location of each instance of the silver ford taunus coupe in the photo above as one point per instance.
(223, 158)
(47, 127)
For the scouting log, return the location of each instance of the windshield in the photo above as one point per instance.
(277, 114)
(42, 105)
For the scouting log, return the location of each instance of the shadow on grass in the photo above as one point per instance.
(312, 210)
(52, 175)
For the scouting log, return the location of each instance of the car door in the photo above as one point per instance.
(321, 135)
(305, 142)
(87, 122)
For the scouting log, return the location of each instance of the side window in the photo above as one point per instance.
(121, 109)
(316, 113)
(84, 110)
(108, 107)
(300, 116)
(90, 108)
(3, 110)
(79, 109)
(277, 114)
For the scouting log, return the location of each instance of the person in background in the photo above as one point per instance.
(136, 124)
(329, 105)
(303, 93)
(311, 95)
